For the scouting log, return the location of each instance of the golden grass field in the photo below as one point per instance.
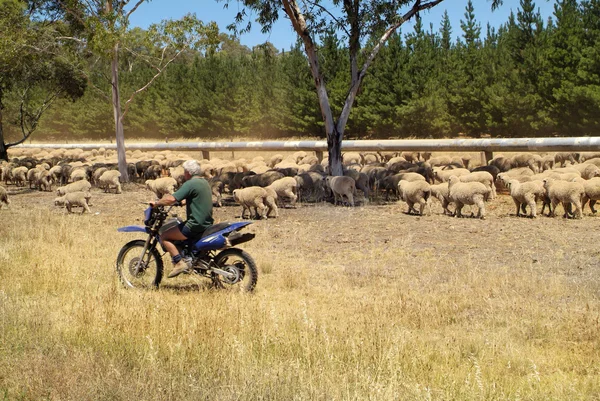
(363, 303)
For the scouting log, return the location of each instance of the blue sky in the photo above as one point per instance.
(283, 35)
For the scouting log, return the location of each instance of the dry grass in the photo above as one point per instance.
(351, 304)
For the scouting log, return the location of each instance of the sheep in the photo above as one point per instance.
(340, 186)
(310, 186)
(468, 193)
(78, 198)
(587, 170)
(361, 181)
(251, 197)
(110, 178)
(78, 174)
(4, 196)
(526, 193)
(443, 175)
(82, 185)
(527, 160)
(441, 193)
(44, 181)
(286, 187)
(564, 192)
(566, 157)
(483, 177)
(19, 176)
(415, 192)
(592, 191)
(97, 174)
(161, 186)
(271, 201)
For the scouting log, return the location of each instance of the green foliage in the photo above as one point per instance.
(526, 78)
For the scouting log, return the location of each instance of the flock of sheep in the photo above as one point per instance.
(261, 186)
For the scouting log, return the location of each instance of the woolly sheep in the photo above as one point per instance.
(162, 186)
(592, 191)
(441, 193)
(271, 202)
(78, 174)
(19, 176)
(483, 177)
(251, 198)
(340, 186)
(77, 186)
(97, 174)
(468, 193)
(413, 192)
(3, 197)
(110, 179)
(566, 193)
(563, 158)
(444, 175)
(44, 181)
(526, 193)
(587, 170)
(286, 187)
(77, 198)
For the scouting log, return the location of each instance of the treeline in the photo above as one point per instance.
(529, 77)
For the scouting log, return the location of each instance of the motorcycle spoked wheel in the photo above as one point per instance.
(150, 272)
(241, 265)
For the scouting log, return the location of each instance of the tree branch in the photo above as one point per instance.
(330, 14)
(45, 105)
(133, 9)
(160, 71)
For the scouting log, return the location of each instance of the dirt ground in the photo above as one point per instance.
(502, 238)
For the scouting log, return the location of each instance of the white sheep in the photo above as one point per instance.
(483, 177)
(162, 186)
(468, 193)
(340, 186)
(587, 170)
(3, 197)
(286, 187)
(592, 191)
(413, 192)
(526, 193)
(251, 198)
(77, 186)
(71, 199)
(441, 193)
(564, 192)
(444, 175)
(110, 179)
(78, 174)
(271, 201)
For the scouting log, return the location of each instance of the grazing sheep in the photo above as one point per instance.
(161, 186)
(587, 170)
(566, 157)
(82, 185)
(526, 193)
(44, 181)
(110, 179)
(566, 193)
(413, 192)
(251, 197)
(340, 186)
(271, 202)
(286, 187)
(78, 174)
(592, 191)
(78, 198)
(361, 181)
(97, 174)
(3, 197)
(468, 193)
(441, 193)
(527, 160)
(19, 176)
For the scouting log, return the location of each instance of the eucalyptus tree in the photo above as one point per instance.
(354, 20)
(36, 69)
(107, 36)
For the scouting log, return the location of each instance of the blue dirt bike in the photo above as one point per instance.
(140, 264)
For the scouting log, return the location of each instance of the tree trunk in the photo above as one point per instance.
(120, 136)
(334, 147)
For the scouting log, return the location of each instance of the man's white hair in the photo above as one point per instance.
(192, 167)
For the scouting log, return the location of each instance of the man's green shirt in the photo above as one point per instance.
(198, 195)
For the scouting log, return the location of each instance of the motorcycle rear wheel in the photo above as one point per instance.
(240, 263)
(145, 276)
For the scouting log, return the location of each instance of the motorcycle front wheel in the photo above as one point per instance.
(132, 273)
(242, 269)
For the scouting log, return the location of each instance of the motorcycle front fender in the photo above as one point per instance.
(131, 229)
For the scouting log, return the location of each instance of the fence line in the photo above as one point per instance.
(485, 145)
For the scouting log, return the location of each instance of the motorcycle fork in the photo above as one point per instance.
(145, 253)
